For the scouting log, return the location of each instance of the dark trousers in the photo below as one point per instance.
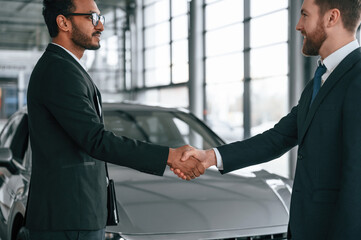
(67, 235)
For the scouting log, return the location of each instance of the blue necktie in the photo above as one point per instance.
(321, 69)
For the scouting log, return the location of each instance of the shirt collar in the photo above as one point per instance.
(336, 57)
(71, 54)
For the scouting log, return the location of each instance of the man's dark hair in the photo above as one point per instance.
(350, 11)
(53, 8)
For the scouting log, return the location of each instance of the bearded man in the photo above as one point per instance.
(326, 126)
(67, 196)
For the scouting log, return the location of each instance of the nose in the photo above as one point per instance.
(299, 25)
(100, 26)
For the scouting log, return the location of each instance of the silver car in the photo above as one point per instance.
(253, 205)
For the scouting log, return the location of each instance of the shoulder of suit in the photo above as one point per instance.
(57, 52)
(56, 60)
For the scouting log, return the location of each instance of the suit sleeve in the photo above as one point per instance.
(67, 97)
(346, 223)
(262, 147)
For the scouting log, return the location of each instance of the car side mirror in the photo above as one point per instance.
(6, 160)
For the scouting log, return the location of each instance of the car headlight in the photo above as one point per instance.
(113, 236)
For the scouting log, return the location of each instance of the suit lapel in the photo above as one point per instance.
(345, 66)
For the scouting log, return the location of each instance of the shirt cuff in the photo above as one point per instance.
(219, 159)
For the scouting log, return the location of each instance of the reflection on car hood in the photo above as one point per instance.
(210, 206)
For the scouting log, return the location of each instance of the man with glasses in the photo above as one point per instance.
(68, 189)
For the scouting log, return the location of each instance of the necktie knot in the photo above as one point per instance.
(321, 69)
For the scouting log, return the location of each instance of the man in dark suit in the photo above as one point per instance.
(326, 126)
(67, 197)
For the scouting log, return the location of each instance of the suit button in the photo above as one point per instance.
(299, 156)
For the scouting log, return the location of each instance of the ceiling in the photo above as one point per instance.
(22, 25)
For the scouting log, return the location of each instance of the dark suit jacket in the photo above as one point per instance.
(326, 197)
(69, 147)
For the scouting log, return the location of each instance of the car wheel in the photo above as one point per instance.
(23, 234)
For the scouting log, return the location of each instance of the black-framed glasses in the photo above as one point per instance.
(94, 16)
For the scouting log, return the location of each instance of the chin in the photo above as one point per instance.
(94, 47)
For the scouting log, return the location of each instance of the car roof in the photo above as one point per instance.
(129, 106)
(132, 106)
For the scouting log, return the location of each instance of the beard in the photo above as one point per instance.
(314, 40)
(82, 40)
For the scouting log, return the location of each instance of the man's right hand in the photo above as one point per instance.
(190, 169)
(206, 157)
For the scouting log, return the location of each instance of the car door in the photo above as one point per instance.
(14, 185)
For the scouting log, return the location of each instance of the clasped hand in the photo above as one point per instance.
(188, 162)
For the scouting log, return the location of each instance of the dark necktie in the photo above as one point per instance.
(321, 69)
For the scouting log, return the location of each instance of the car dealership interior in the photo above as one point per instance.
(214, 71)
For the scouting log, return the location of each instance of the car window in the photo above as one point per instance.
(123, 125)
(16, 136)
(20, 141)
(8, 132)
(163, 128)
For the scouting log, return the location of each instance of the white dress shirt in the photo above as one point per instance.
(331, 62)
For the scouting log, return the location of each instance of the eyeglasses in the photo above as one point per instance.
(94, 16)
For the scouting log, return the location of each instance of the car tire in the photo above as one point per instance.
(23, 234)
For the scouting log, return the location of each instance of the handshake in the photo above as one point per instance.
(188, 163)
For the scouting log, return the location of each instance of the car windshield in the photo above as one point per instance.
(173, 129)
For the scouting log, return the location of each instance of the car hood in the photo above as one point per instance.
(213, 205)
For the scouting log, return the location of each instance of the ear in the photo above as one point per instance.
(333, 17)
(63, 23)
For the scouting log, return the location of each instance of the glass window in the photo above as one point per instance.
(158, 76)
(259, 7)
(225, 110)
(9, 97)
(180, 27)
(179, 7)
(269, 102)
(268, 107)
(148, 2)
(180, 72)
(150, 97)
(156, 13)
(112, 57)
(157, 57)
(269, 29)
(167, 97)
(128, 61)
(223, 13)
(212, 1)
(225, 40)
(269, 61)
(180, 51)
(227, 68)
(165, 44)
(157, 35)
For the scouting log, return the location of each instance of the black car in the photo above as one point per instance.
(252, 205)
